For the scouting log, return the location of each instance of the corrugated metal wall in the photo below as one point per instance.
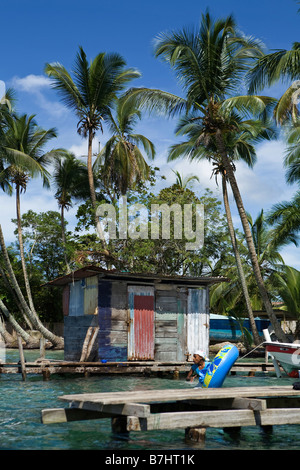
(112, 308)
(170, 324)
(90, 302)
(81, 297)
(144, 327)
(197, 321)
(138, 323)
(168, 345)
(76, 301)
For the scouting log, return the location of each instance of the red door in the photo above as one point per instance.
(143, 327)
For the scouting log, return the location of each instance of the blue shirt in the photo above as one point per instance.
(201, 372)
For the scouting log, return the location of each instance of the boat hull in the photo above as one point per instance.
(287, 354)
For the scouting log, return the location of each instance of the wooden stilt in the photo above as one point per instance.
(119, 426)
(234, 431)
(42, 347)
(195, 434)
(46, 374)
(89, 341)
(22, 359)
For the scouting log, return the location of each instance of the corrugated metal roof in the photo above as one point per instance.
(89, 271)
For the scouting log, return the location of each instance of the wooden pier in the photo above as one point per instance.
(193, 409)
(47, 368)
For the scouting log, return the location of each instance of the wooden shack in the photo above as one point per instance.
(138, 317)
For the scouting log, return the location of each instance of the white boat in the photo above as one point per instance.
(286, 354)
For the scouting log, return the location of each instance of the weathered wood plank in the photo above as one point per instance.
(249, 403)
(216, 419)
(63, 415)
(134, 409)
(148, 396)
(86, 411)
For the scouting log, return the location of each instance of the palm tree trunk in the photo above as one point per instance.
(239, 263)
(18, 329)
(20, 237)
(7, 338)
(63, 236)
(243, 216)
(92, 187)
(15, 297)
(32, 315)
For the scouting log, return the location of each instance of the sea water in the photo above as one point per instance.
(21, 403)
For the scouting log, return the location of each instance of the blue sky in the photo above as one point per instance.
(38, 31)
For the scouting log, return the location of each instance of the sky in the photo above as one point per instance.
(37, 32)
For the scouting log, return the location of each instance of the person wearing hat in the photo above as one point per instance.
(199, 368)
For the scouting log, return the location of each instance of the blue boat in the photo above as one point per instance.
(226, 328)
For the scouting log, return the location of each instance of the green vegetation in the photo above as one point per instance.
(219, 125)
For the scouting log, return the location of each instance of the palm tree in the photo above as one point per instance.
(239, 145)
(6, 104)
(281, 65)
(288, 285)
(284, 65)
(183, 182)
(70, 181)
(91, 94)
(210, 64)
(285, 217)
(23, 152)
(121, 160)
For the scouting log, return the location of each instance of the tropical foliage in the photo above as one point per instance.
(222, 117)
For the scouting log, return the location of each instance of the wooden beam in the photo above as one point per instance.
(128, 409)
(63, 415)
(249, 404)
(216, 419)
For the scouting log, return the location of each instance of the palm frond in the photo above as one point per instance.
(62, 82)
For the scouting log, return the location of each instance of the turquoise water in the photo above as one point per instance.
(21, 404)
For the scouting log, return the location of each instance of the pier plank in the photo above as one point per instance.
(192, 408)
(215, 419)
(173, 395)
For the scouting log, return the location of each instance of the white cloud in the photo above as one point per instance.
(38, 86)
(31, 83)
(2, 90)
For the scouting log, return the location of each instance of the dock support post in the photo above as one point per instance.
(22, 359)
(42, 347)
(119, 426)
(234, 432)
(195, 434)
(46, 374)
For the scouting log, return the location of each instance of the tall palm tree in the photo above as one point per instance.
(6, 104)
(25, 157)
(121, 159)
(281, 65)
(239, 145)
(90, 94)
(69, 178)
(284, 65)
(210, 64)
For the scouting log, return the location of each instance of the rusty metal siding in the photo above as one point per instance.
(197, 321)
(144, 327)
(90, 303)
(141, 324)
